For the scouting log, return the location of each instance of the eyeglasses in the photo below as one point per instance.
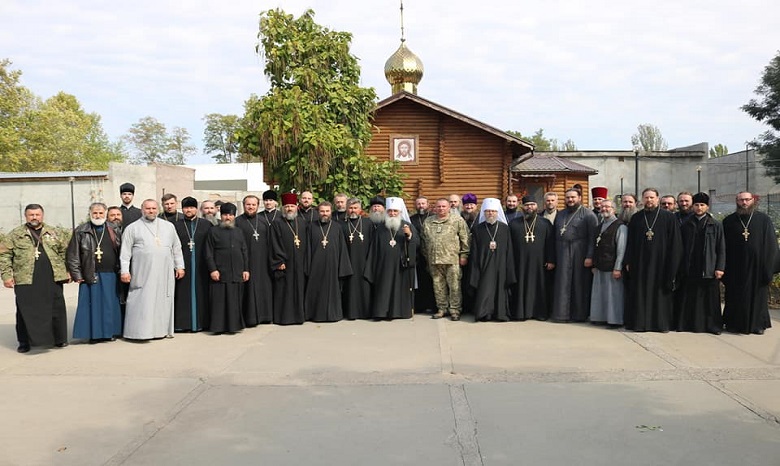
(745, 199)
(667, 203)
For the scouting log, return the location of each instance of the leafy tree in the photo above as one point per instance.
(219, 137)
(51, 135)
(718, 150)
(766, 109)
(648, 137)
(545, 144)
(312, 127)
(152, 143)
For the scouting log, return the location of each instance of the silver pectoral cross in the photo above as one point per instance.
(563, 230)
(191, 244)
(360, 235)
(37, 254)
(256, 235)
(324, 242)
(351, 237)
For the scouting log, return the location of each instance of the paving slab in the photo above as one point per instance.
(317, 425)
(648, 423)
(75, 420)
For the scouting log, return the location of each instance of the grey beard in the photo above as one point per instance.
(393, 223)
(455, 210)
(290, 215)
(227, 224)
(746, 210)
(377, 217)
(150, 218)
(354, 216)
(491, 221)
(627, 213)
(98, 222)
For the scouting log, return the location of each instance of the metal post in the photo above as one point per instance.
(72, 204)
(698, 176)
(747, 167)
(636, 170)
(621, 187)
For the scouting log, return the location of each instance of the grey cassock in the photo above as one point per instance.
(152, 283)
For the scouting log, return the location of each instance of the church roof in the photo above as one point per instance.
(526, 148)
(539, 164)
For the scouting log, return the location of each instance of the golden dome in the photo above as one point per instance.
(404, 70)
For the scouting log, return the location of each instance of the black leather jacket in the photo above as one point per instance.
(80, 258)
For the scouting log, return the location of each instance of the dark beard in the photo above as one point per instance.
(573, 208)
(746, 210)
(469, 216)
(530, 216)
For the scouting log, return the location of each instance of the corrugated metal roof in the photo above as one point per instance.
(541, 164)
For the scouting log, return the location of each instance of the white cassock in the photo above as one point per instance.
(155, 250)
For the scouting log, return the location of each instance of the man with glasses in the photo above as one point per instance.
(668, 203)
(751, 260)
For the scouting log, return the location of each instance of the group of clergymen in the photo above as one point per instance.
(145, 274)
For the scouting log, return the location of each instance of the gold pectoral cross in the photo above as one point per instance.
(99, 254)
(324, 242)
(746, 233)
(297, 241)
(649, 235)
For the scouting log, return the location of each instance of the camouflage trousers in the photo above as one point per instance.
(446, 287)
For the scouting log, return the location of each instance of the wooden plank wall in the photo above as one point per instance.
(453, 157)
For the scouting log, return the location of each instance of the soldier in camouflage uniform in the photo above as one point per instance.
(446, 239)
(32, 261)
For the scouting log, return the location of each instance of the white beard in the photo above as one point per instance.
(393, 223)
(377, 217)
(491, 221)
(98, 222)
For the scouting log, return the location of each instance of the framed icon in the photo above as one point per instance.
(403, 148)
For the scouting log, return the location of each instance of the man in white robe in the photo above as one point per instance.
(155, 250)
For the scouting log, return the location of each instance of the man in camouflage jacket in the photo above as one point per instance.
(446, 238)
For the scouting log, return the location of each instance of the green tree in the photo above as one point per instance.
(718, 150)
(151, 143)
(766, 109)
(649, 138)
(219, 137)
(52, 135)
(544, 144)
(312, 127)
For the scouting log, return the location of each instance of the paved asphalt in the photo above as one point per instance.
(412, 392)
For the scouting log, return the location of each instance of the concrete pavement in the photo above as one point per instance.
(407, 392)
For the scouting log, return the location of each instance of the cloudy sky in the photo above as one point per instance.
(589, 71)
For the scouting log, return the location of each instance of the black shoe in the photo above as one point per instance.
(23, 348)
(759, 332)
(61, 345)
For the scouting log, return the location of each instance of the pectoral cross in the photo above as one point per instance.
(191, 244)
(530, 237)
(351, 237)
(598, 240)
(256, 235)
(563, 230)
(392, 243)
(297, 241)
(746, 233)
(649, 235)
(324, 241)
(37, 254)
(99, 254)
(360, 235)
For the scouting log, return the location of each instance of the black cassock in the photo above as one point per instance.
(749, 268)
(652, 261)
(327, 264)
(390, 270)
(423, 295)
(289, 240)
(699, 310)
(356, 296)
(226, 251)
(258, 291)
(529, 295)
(491, 270)
(191, 301)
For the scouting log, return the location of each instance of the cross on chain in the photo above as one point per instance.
(99, 254)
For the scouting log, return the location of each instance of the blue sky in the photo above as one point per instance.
(589, 71)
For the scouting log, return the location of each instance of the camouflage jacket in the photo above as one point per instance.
(446, 240)
(17, 253)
